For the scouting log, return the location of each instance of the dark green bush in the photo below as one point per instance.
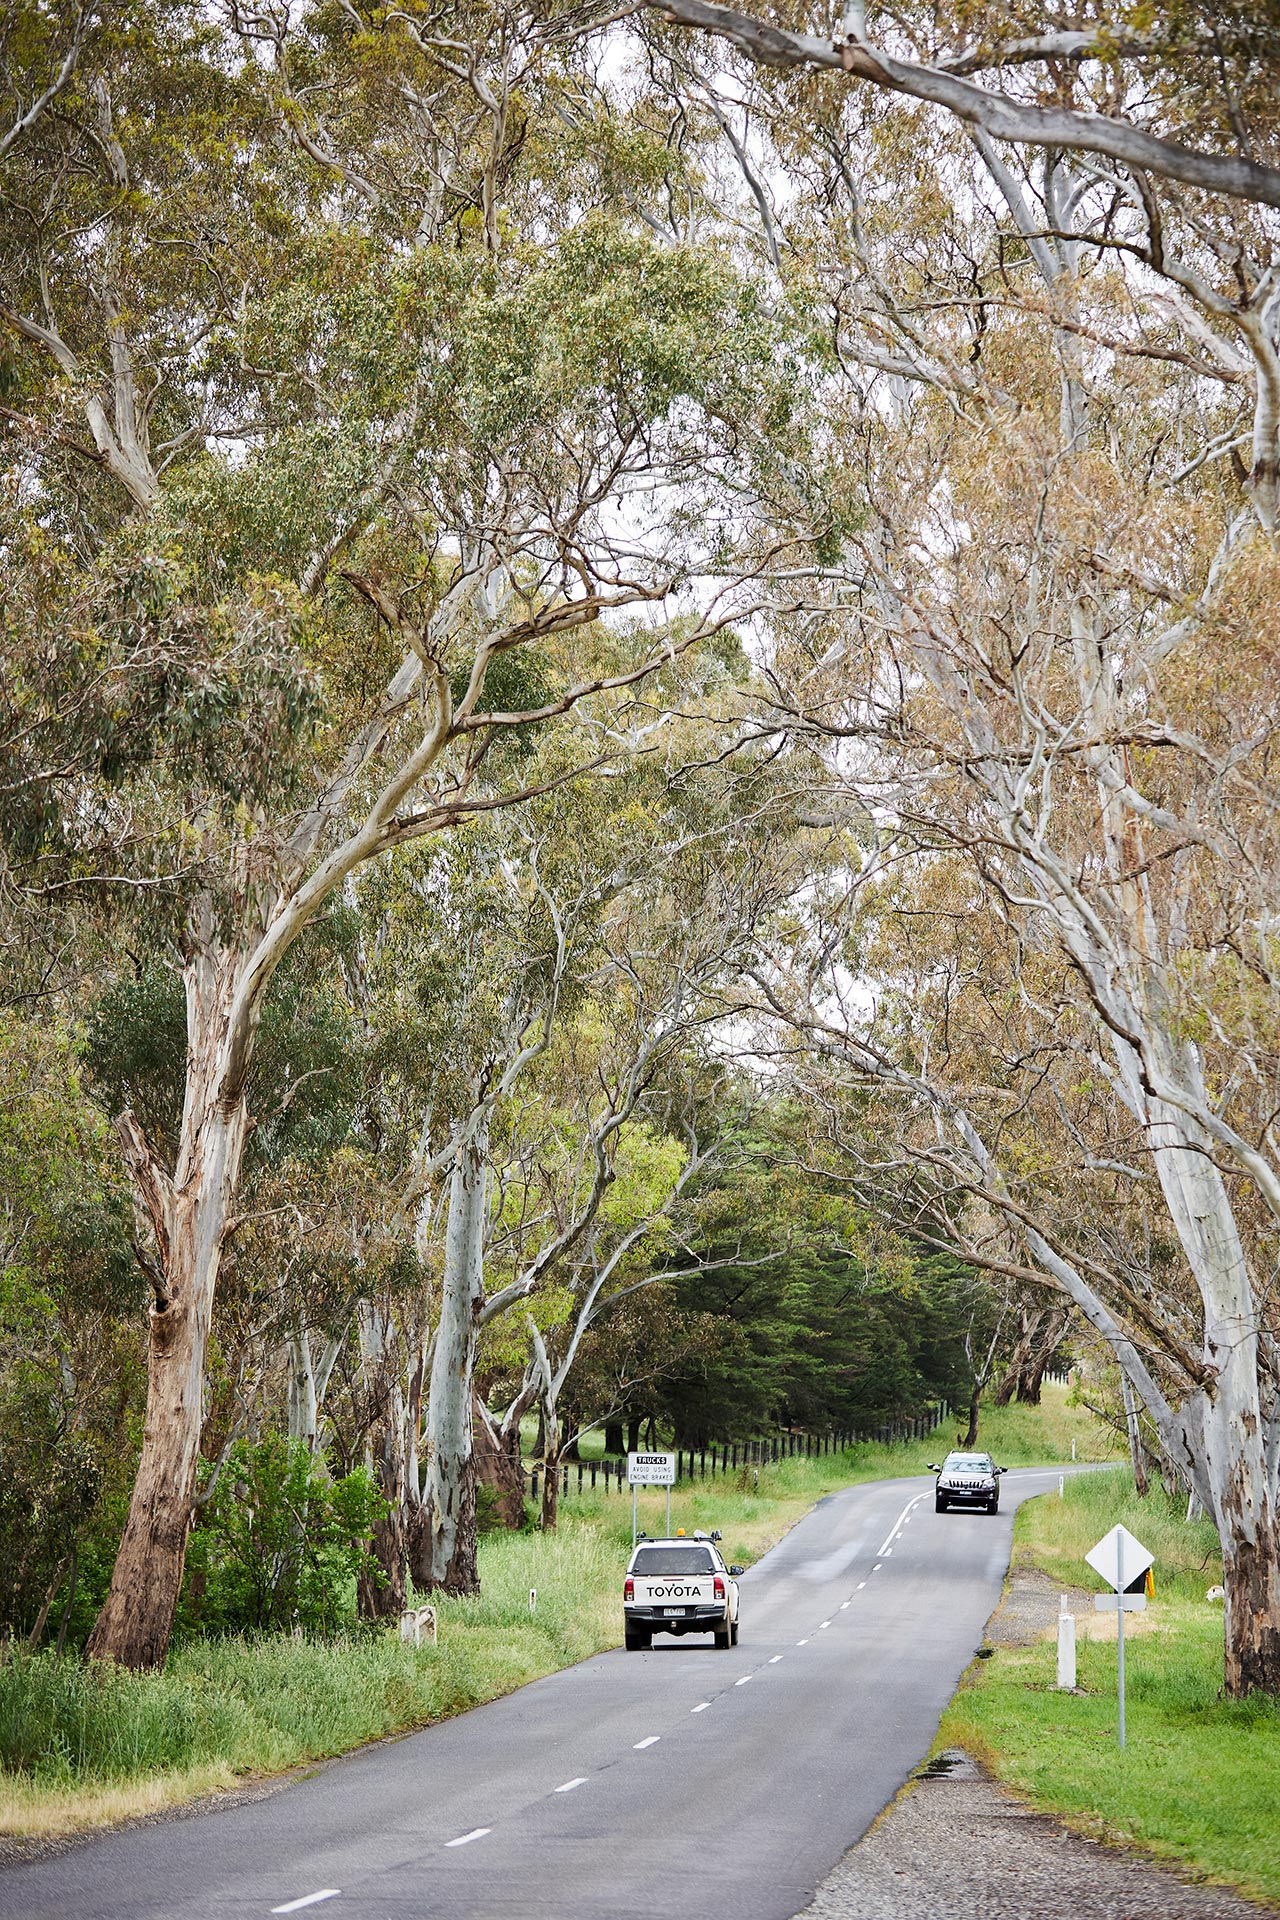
(278, 1544)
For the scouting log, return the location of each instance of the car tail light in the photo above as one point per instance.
(629, 1590)
(719, 1588)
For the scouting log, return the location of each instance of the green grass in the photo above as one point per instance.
(80, 1745)
(1196, 1783)
(1056, 1534)
(87, 1745)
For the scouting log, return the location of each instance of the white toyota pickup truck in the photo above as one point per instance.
(679, 1586)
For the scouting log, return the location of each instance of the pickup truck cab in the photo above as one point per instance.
(679, 1586)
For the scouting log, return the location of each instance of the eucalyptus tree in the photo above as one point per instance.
(362, 480)
(603, 1213)
(531, 983)
(469, 954)
(1053, 953)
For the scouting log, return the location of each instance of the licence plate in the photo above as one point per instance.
(673, 1613)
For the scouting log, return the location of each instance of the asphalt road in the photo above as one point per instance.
(642, 1786)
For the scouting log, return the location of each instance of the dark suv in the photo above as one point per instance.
(967, 1480)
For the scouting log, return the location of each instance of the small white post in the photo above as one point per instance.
(1066, 1648)
(1073, 1449)
(533, 1598)
(1062, 1485)
(634, 1491)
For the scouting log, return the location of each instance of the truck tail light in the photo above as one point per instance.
(629, 1590)
(719, 1588)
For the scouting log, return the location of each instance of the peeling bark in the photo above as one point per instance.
(497, 1461)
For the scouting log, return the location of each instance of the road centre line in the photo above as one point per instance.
(465, 1839)
(775, 1659)
(308, 1900)
(802, 1643)
(877, 1566)
(743, 1681)
(893, 1531)
(569, 1785)
(843, 1605)
(825, 1623)
(861, 1584)
(651, 1741)
(701, 1707)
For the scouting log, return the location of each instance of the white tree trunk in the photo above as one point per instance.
(443, 1551)
(307, 1382)
(189, 1215)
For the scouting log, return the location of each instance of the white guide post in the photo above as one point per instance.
(1066, 1648)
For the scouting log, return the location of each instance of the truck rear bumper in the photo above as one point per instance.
(701, 1619)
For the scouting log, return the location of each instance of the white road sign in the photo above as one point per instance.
(1120, 1558)
(651, 1469)
(1120, 1602)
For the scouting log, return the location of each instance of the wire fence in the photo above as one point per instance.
(730, 1456)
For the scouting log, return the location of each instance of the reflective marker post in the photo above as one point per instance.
(1066, 1648)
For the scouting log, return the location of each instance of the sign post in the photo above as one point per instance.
(1121, 1559)
(650, 1470)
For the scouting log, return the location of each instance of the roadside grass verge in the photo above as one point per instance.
(1196, 1782)
(87, 1745)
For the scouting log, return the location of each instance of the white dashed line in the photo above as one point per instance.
(652, 1741)
(843, 1605)
(701, 1707)
(569, 1785)
(775, 1659)
(861, 1585)
(877, 1566)
(308, 1900)
(802, 1643)
(825, 1623)
(888, 1553)
(465, 1839)
(893, 1531)
(743, 1681)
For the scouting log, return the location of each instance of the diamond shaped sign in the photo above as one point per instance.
(1119, 1557)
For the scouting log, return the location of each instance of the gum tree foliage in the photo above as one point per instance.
(327, 403)
(69, 1291)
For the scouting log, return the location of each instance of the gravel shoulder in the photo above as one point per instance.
(955, 1845)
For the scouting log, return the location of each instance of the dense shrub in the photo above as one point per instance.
(278, 1544)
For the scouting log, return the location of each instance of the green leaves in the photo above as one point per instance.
(279, 1544)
